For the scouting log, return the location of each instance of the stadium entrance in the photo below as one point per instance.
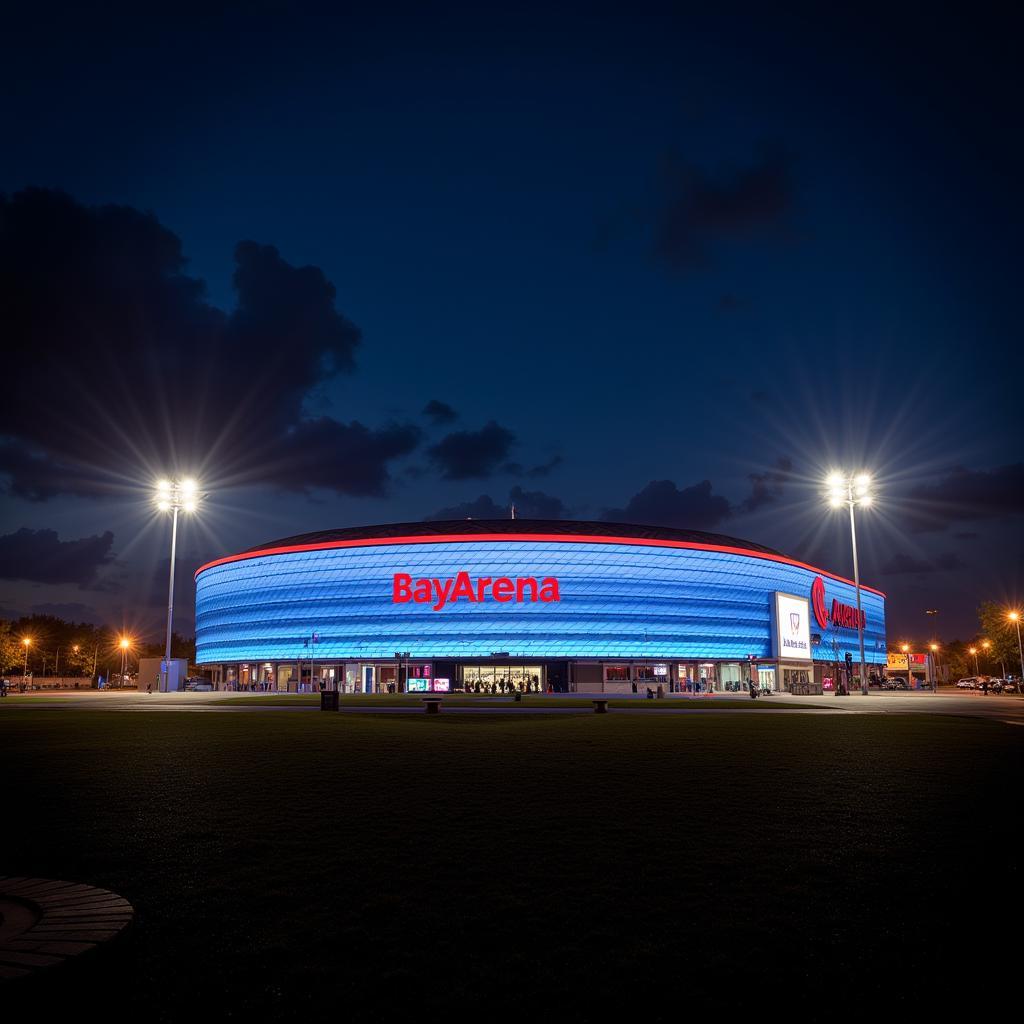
(503, 678)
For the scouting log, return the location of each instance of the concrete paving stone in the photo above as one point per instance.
(27, 959)
(65, 948)
(13, 972)
(102, 906)
(90, 914)
(76, 897)
(78, 927)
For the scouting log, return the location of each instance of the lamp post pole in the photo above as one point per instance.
(24, 671)
(173, 496)
(851, 491)
(856, 580)
(166, 667)
(1015, 619)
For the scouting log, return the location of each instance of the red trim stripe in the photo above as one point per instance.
(465, 538)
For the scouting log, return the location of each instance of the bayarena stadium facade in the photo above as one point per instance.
(494, 606)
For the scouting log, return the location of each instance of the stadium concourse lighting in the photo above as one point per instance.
(174, 496)
(844, 489)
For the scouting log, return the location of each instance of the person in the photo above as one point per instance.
(984, 686)
(149, 686)
(753, 688)
(634, 686)
(4, 685)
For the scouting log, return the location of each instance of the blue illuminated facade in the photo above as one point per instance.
(618, 599)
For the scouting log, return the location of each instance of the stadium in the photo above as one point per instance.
(496, 606)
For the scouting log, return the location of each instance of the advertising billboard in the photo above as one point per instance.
(792, 632)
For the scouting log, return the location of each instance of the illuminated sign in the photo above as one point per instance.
(417, 685)
(894, 660)
(439, 592)
(441, 685)
(792, 627)
(839, 614)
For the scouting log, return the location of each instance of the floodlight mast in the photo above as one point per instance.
(852, 491)
(173, 496)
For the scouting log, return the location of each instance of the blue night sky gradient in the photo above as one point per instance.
(739, 247)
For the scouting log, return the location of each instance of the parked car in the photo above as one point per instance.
(894, 683)
(970, 683)
(1002, 685)
(198, 683)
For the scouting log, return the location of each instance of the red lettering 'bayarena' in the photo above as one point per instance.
(439, 592)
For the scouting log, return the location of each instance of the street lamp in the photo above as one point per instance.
(974, 651)
(124, 644)
(174, 496)
(905, 648)
(27, 641)
(935, 666)
(852, 491)
(1014, 617)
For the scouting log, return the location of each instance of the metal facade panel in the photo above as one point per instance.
(616, 601)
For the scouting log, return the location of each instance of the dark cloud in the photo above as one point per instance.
(40, 556)
(439, 412)
(902, 564)
(484, 507)
(69, 611)
(701, 210)
(545, 467)
(966, 535)
(966, 494)
(528, 505)
(661, 503)
(317, 451)
(472, 453)
(147, 373)
(537, 504)
(766, 488)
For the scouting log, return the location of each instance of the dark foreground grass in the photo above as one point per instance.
(542, 868)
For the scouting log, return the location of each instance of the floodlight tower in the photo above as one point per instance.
(174, 496)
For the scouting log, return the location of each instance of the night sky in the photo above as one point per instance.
(626, 263)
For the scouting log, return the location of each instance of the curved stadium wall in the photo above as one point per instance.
(618, 597)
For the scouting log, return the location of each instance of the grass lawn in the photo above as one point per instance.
(308, 867)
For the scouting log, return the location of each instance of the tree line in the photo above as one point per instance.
(60, 648)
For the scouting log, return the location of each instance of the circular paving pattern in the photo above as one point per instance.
(44, 922)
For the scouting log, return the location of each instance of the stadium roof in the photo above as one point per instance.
(548, 527)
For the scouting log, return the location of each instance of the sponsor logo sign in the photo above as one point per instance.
(439, 593)
(839, 614)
